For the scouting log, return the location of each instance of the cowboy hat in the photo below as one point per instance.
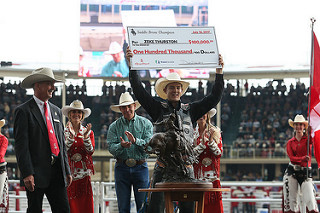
(298, 119)
(2, 122)
(76, 105)
(125, 100)
(114, 48)
(38, 75)
(170, 78)
(212, 112)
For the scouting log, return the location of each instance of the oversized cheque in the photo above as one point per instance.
(173, 47)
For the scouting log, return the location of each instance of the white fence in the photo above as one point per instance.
(105, 197)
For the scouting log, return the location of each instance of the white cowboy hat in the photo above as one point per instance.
(124, 100)
(2, 122)
(38, 75)
(114, 48)
(170, 78)
(76, 105)
(212, 112)
(298, 119)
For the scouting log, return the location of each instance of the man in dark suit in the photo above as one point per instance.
(40, 147)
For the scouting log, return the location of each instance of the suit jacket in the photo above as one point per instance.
(32, 144)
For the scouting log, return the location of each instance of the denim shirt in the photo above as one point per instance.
(140, 127)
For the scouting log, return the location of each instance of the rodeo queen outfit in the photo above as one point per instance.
(186, 117)
(80, 147)
(4, 190)
(297, 180)
(208, 149)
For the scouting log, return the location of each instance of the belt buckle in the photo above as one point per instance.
(131, 162)
(206, 162)
(76, 157)
(296, 167)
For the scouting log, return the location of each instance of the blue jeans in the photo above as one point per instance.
(125, 177)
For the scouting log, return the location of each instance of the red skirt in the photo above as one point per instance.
(80, 196)
(213, 200)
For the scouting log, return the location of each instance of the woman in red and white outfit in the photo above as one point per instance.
(208, 148)
(298, 189)
(4, 191)
(80, 147)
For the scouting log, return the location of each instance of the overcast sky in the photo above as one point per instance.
(249, 32)
(265, 32)
(40, 31)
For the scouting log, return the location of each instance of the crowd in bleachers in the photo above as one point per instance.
(264, 118)
(262, 129)
(11, 95)
(262, 115)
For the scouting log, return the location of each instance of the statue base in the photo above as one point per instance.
(184, 191)
(187, 185)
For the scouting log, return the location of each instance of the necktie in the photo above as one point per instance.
(52, 137)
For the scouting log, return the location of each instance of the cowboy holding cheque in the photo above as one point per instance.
(170, 89)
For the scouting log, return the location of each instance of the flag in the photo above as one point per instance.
(315, 99)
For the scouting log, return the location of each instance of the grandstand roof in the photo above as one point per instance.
(149, 2)
(229, 73)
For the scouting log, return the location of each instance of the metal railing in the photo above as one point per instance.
(230, 152)
(104, 195)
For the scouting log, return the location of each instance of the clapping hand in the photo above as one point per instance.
(130, 136)
(124, 143)
(204, 140)
(88, 128)
(211, 131)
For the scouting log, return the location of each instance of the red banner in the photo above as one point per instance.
(315, 100)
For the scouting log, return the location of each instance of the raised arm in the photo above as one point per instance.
(199, 108)
(144, 98)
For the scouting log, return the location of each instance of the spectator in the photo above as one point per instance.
(252, 205)
(246, 87)
(126, 139)
(70, 89)
(104, 88)
(208, 149)
(103, 142)
(80, 147)
(83, 88)
(104, 130)
(4, 193)
(10, 149)
(297, 180)
(235, 205)
(278, 150)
